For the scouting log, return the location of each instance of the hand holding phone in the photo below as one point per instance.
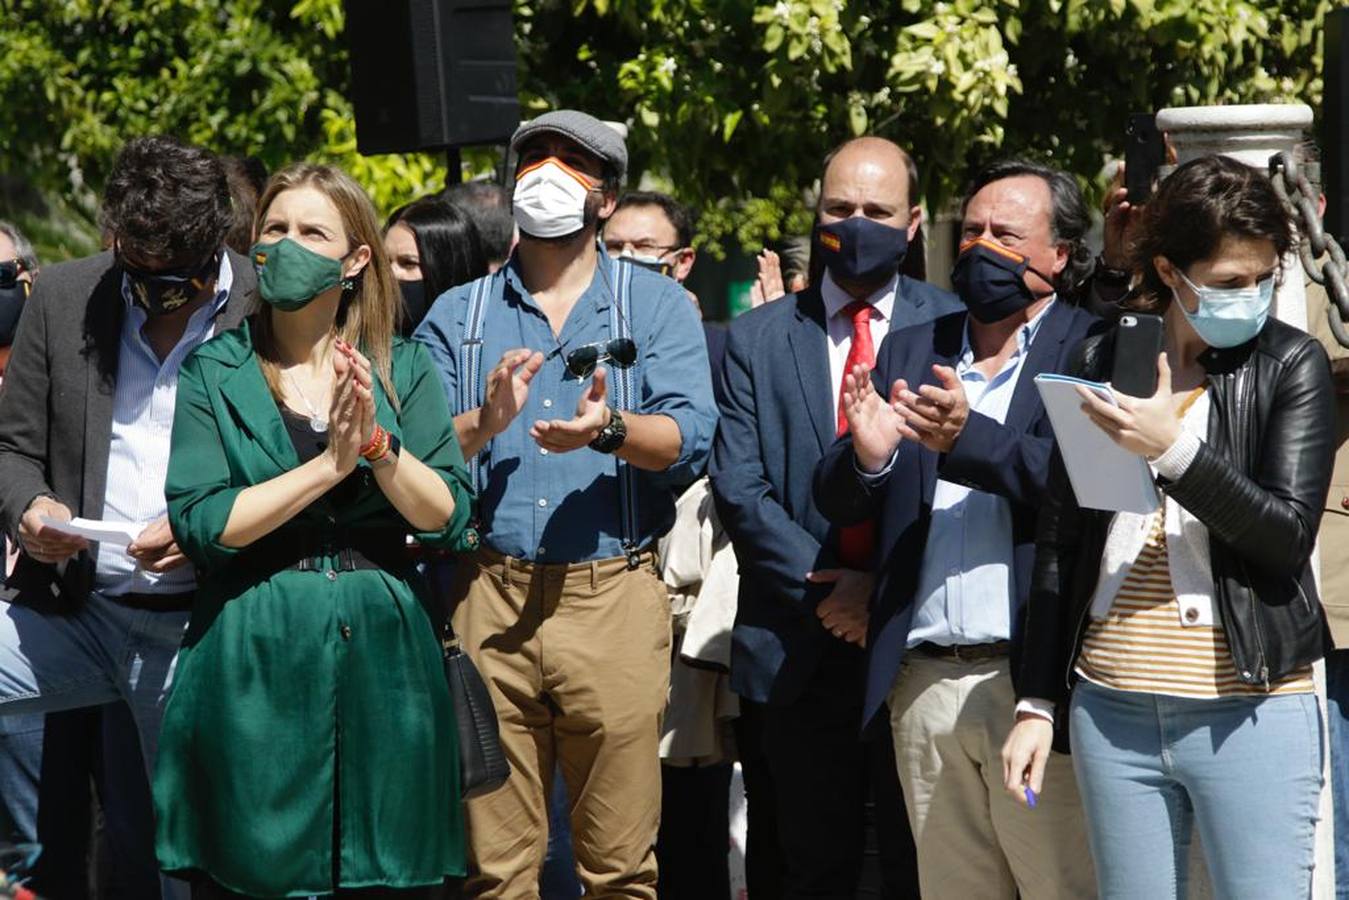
(1144, 154)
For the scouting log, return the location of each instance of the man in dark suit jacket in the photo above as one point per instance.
(949, 447)
(85, 414)
(796, 658)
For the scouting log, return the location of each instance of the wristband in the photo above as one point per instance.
(377, 446)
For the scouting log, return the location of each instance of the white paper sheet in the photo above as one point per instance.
(1104, 475)
(118, 534)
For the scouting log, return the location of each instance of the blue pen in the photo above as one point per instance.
(1030, 797)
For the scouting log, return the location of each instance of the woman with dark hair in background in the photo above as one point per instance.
(1180, 643)
(433, 246)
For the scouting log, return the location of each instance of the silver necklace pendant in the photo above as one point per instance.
(318, 425)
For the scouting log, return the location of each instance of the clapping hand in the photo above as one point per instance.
(876, 427)
(592, 415)
(768, 286)
(345, 437)
(935, 415)
(1145, 426)
(508, 389)
(363, 384)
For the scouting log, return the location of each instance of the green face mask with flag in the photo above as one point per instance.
(290, 274)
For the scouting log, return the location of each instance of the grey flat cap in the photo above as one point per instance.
(584, 129)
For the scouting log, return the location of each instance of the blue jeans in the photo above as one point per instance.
(1246, 770)
(104, 653)
(1337, 707)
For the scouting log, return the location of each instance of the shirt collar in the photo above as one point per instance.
(601, 286)
(224, 280)
(1025, 335)
(836, 299)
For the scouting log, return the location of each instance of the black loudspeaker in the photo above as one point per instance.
(1334, 137)
(431, 74)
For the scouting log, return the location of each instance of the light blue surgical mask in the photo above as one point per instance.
(1228, 317)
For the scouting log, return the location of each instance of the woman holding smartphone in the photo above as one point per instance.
(1179, 645)
(309, 743)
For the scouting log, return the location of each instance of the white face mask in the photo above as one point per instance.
(550, 199)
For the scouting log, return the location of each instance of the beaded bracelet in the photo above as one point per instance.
(377, 446)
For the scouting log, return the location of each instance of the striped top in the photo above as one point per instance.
(1142, 646)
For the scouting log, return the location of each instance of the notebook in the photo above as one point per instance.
(1104, 475)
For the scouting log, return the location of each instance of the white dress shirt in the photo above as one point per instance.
(839, 324)
(138, 453)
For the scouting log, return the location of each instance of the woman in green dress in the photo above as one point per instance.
(309, 742)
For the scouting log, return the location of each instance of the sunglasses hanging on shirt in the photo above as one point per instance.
(582, 361)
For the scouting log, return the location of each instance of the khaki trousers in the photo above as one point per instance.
(577, 658)
(950, 720)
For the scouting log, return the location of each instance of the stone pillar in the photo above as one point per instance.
(1252, 134)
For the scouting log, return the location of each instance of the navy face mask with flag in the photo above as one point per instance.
(163, 292)
(989, 279)
(859, 249)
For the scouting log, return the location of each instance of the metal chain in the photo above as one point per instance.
(1299, 200)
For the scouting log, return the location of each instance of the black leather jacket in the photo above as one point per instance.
(1258, 484)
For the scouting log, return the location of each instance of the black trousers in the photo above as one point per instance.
(826, 816)
(693, 849)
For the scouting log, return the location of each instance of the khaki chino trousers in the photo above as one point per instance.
(975, 841)
(577, 658)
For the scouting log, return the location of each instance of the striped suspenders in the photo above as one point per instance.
(624, 387)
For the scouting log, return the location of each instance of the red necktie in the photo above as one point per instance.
(856, 542)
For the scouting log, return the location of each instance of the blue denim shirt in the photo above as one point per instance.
(563, 507)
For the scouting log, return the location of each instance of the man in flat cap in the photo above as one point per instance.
(584, 404)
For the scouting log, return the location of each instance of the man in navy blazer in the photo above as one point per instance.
(796, 657)
(949, 447)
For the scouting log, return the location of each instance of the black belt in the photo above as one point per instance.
(966, 652)
(157, 602)
(327, 553)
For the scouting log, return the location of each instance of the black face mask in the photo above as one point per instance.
(163, 292)
(988, 278)
(861, 250)
(11, 305)
(415, 305)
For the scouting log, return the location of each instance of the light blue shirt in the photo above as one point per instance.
(965, 593)
(138, 456)
(564, 507)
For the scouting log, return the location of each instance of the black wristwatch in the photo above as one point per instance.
(611, 436)
(1109, 273)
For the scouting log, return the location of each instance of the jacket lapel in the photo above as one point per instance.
(102, 348)
(243, 293)
(948, 340)
(245, 391)
(810, 342)
(1043, 357)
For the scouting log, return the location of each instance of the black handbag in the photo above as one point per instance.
(482, 762)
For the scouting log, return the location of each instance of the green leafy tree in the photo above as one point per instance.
(249, 77)
(734, 104)
(731, 104)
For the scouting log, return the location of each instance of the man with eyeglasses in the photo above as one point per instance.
(656, 231)
(85, 416)
(582, 388)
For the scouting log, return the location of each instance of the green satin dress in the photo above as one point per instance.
(309, 739)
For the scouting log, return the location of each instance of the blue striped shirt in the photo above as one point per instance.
(138, 455)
